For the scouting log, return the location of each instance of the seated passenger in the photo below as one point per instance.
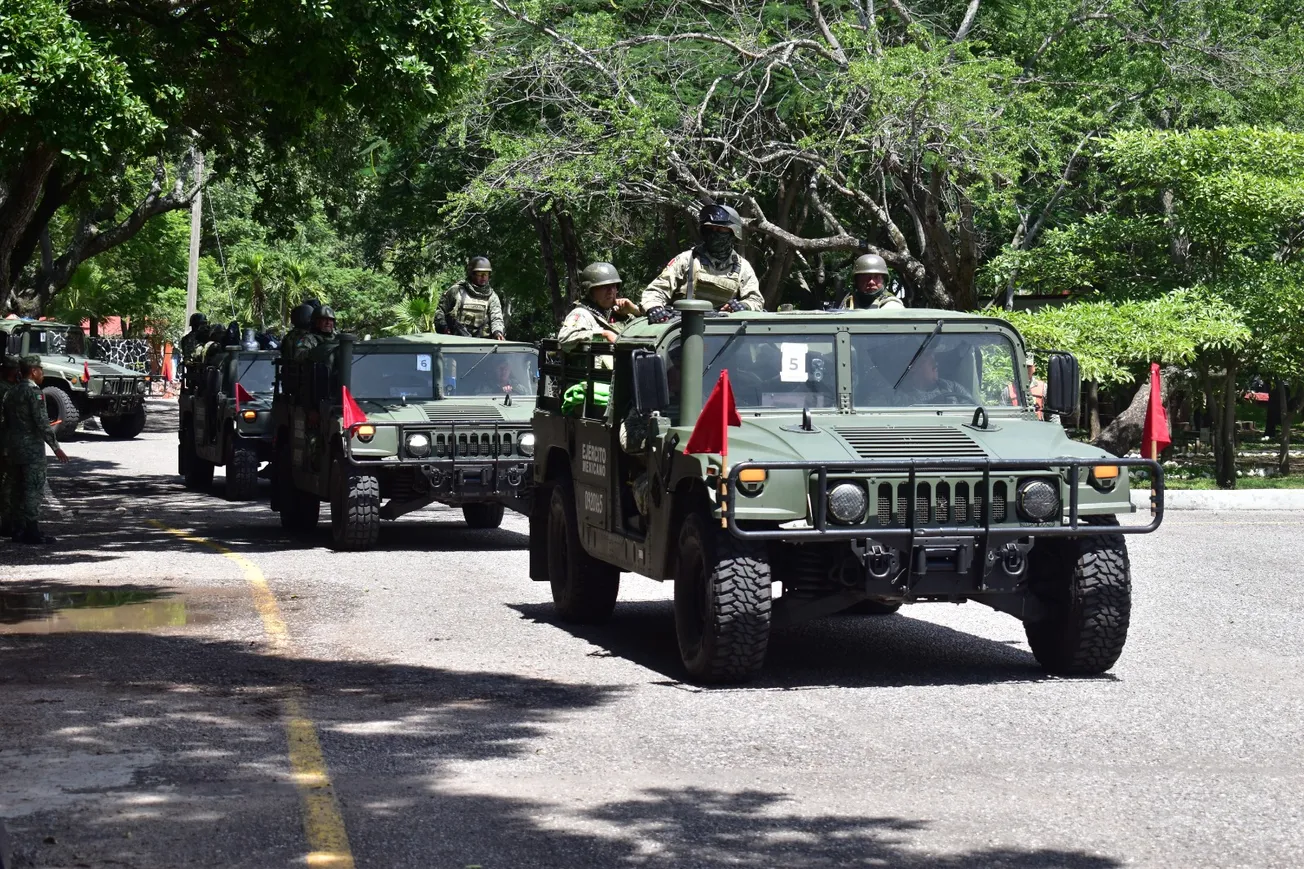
(600, 315)
(923, 385)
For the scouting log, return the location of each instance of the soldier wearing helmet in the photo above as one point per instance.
(598, 315)
(300, 323)
(870, 293)
(321, 334)
(198, 325)
(470, 307)
(712, 271)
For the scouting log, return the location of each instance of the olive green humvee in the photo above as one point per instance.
(222, 425)
(883, 458)
(77, 388)
(435, 418)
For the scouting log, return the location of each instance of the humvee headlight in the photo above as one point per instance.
(365, 433)
(417, 445)
(526, 443)
(249, 415)
(1038, 501)
(1103, 478)
(847, 502)
(140, 385)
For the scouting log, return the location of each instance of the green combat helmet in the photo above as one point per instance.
(599, 275)
(477, 264)
(870, 264)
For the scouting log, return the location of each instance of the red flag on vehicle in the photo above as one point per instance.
(86, 372)
(711, 431)
(1155, 436)
(353, 414)
(241, 394)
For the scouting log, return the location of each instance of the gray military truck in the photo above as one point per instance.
(225, 418)
(408, 420)
(77, 388)
(883, 458)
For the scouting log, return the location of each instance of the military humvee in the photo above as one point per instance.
(223, 425)
(883, 458)
(77, 388)
(434, 418)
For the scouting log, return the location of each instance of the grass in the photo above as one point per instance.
(1294, 481)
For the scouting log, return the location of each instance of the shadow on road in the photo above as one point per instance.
(194, 726)
(844, 651)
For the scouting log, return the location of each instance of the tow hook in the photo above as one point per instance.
(878, 562)
(1014, 558)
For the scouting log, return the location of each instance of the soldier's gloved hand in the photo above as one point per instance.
(658, 315)
(499, 336)
(733, 305)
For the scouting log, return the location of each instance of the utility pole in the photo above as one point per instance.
(196, 226)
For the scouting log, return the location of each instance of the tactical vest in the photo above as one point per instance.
(472, 311)
(716, 288)
(883, 298)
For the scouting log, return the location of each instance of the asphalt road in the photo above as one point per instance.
(144, 691)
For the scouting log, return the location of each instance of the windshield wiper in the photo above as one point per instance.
(725, 346)
(920, 352)
(468, 371)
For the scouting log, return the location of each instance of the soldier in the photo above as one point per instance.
(597, 316)
(870, 274)
(8, 379)
(923, 385)
(713, 269)
(323, 332)
(198, 325)
(470, 307)
(300, 323)
(27, 430)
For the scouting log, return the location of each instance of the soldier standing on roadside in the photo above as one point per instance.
(470, 307)
(8, 379)
(716, 273)
(26, 433)
(870, 274)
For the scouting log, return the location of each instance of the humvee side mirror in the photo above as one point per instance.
(651, 386)
(1063, 384)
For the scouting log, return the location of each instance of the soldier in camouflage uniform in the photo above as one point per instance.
(716, 272)
(8, 379)
(27, 430)
(300, 323)
(322, 333)
(470, 307)
(871, 293)
(198, 326)
(598, 316)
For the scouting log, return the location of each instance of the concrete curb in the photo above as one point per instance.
(1218, 500)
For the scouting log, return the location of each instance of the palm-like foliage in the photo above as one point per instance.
(257, 280)
(416, 313)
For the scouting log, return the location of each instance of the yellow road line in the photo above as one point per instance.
(323, 824)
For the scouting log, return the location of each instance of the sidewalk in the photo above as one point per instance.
(1220, 499)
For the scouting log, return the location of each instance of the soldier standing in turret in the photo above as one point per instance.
(871, 293)
(715, 271)
(470, 307)
(323, 332)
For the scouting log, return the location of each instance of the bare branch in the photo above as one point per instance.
(970, 17)
(838, 53)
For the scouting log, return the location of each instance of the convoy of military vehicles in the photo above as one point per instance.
(878, 459)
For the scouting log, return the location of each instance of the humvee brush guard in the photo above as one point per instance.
(414, 420)
(77, 388)
(225, 425)
(883, 458)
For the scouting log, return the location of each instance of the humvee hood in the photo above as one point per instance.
(856, 437)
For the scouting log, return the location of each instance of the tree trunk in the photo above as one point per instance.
(543, 226)
(571, 254)
(1093, 409)
(1225, 470)
(1124, 434)
(1276, 403)
(1291, 404)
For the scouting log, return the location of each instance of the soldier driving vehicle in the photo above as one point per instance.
(470, 307)
(870, 293)
(225, 418)
(860, 460)
(406, 420)
(75, 387)
(712, 271)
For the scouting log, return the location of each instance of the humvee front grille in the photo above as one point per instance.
(446, 413)
(959, 503)
(910, 442)
(474, 444)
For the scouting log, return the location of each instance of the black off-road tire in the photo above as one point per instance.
(242, 473)
(125, 426)
(197, 472)
(873, 608)
(299, 511)
(355, 508)
(483, 515)
(584, 590)
(1084, 588)
(722, 603)
(58, 405)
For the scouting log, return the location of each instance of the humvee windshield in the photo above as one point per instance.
(394, 375)
(477, 373)
(256, 374)
(44, 341)
(799, 370)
